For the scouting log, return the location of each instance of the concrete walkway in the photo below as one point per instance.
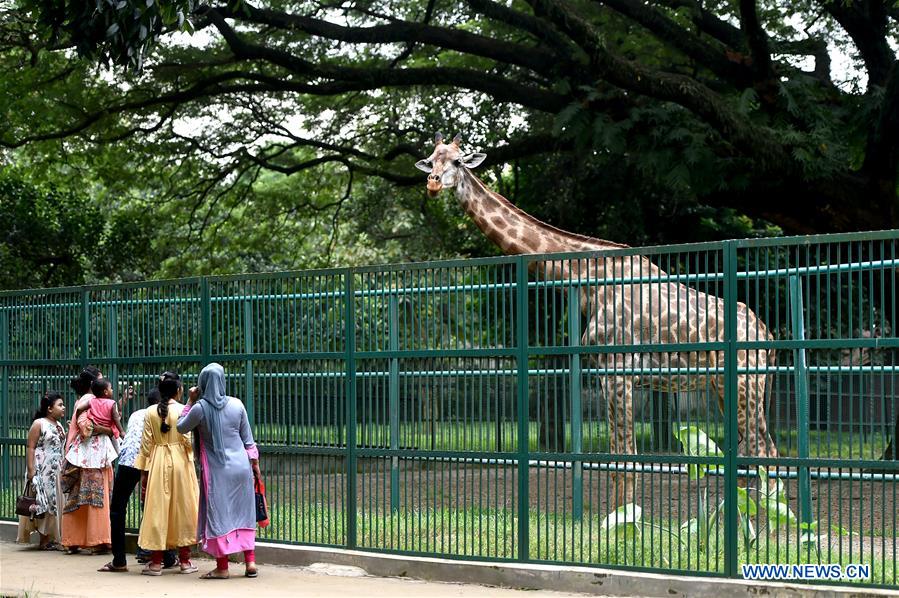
(25, 571)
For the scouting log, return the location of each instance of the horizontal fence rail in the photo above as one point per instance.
(688, 408)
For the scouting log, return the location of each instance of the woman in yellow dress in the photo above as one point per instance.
(166, 458)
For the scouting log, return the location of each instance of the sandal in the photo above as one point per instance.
(50, 546)
(110, 568)
(251, 571)
(73, 550)
(97, 550)
(213, 575)
(188, 567)
(150, 571)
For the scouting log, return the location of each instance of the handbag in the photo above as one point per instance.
(261, 504)
(26, 503)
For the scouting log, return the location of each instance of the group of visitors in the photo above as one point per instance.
(80, 504)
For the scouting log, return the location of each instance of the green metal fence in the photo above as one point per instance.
(458, 409)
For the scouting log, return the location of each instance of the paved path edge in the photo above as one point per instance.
(530, 576)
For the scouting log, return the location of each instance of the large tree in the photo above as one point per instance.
(673, 106)
(629, 119)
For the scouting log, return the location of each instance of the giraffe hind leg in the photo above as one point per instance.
(718, 386)
(619, 394)
(753, 439)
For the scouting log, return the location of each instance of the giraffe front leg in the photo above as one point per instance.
(619, 394)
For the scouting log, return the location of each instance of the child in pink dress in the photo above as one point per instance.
(102, 411)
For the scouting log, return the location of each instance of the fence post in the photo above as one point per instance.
(574, 340)
(5, 469)
(85, 324)
(394, 397)
(112, 341)
(350, 347)
(730, 409)
(205, 322)
(521, 362)
(800, 376)
(248, 366)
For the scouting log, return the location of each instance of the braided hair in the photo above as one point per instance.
(169, 385)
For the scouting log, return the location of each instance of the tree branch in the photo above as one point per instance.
(817, 48)
(667, 30)
(515, 149)
(214, 86)
(866, 23)
(539, 28)
(708, 23)
(355, 79)
(410, 47)
(882, 150)
(200, 89)
(535, 59)
(753, 140)
(524, 147)
(763, 75)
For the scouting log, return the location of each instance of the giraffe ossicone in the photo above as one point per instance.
(633, 302)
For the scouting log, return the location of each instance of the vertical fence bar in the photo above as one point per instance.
(574, 340)
(521, 333)
(248, 366)
(394, 398)
(5, 469)
(85, 324)
(350, 348)
(112, 342)
(800, 376)
(730, 409)
(205, 321)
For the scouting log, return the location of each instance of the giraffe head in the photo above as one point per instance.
(445, 164)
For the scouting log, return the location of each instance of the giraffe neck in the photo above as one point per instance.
(512, 229)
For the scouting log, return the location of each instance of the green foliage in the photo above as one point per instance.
(772, 502)
(696, 443)
(119, 32)
(772, 499)
(59, 237)
(49, 236)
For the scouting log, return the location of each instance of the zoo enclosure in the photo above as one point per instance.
(450, 408)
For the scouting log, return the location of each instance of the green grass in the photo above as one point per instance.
(485, 437)
(491, 533)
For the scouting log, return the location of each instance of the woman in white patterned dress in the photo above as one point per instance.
(43, 456)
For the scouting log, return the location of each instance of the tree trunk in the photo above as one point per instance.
(550, 399)
(891, 452)
(884, 297)
(551, 432)
(663, 440)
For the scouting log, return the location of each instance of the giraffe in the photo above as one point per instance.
(635, 313)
